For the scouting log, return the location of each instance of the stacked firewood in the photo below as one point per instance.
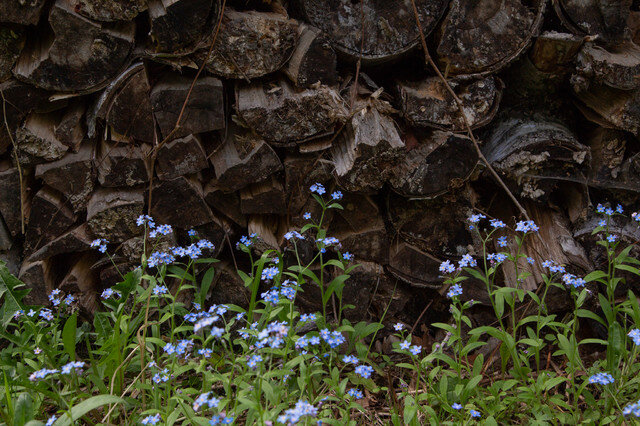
(218, 115)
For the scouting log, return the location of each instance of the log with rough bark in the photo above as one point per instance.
(180, 202)
(360, 229)
(11, 197)
(537, 154)
(414, 266)
(36, 140)
(609, 107)
(372, 30)
(40, 278)
(17, 99)
(77, 240)
(49, 218)
(83, 282)
(11, 44)
(615, 164)
(604, 18)
(226, 203)
(70, 127)
(266, 197)
(73, 175)
(482, 37)
(434, 163)
(427, 103)
(284, 116)
(80, 55)
(112, 213)
(617, 67)
(5, 236)
(554, 52)
(204, 111)
(251, 44)
(182, 156)
(21, 12)
(313, 59)
(227, 287)
(242, 160)
(265, 228)
(100, 10)
(122, 165)
(176, 24)
(368, 149)
(300, 173)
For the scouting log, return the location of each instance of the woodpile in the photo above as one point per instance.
(218, 115)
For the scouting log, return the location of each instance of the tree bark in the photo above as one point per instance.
(123, 165)
(176, 24)
(313, 59)
(100, 10)
(49, 218)
(112, 213)
(180, 202)
(182, 156)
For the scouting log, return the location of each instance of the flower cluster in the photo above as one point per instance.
(101, 244)
(318, 188)
(553, 267)
(467, 261)
(364, 371)
(497, 257)
(415, 349)
(632, 409)
(355, 393)
(151, 420)
(162, 230)
(205, 399)
(526, 226)
(108, 292)
(181, 348)
(76, 366)
(601, 379)
(42, 374)
(455, 290)
(447, 267)
(572, 280)
(307, 340)
(246, 240)
(269, 273)
(272, 336)
(273, 295)
(160, 258)
(635, 336)
(333, 339)
(293, 235)
(301, 409)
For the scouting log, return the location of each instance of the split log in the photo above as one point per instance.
(100, 10)
(484, 37)
(427, 103)
(132, 119)
(313, 59)
(205, 109)
(537, 154)
(266, 197)
(120, 165)
(19, 100)
(414, 266)
(11, 197)
(73, 175)
(265, 227)
(227, 287)
(438, 163)
(617, 67)
(40, 278)
(225, 203)
(84, 282)
(5, 237)
(21, 12)
(36, 140)
(360, 229)
(11, 44)
(112, 213)
(251, 44)
(367, 150)
(554, 52)
(49, 217)
(182, 156)
(217, 231)
(613, 165)
(76, 240)
(284, 116)
(300, 173)
(80, 55)
(371, 30)
(176, 24)
(606, 19)
(242, 160)
(180, 202)
(70, 128)
(611, 107)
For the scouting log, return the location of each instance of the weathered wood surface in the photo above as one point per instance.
(112, 213)
(176, 24)
(313, 59)
(21, 12)
(121, 165)
(11, 44)
(100, 10)
(606, 19)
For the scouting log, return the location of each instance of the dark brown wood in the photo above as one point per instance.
(251, 44)
(129, 112)
(482, 37)
(553, 52)
(182, 156)
(242, 160)
(610, 107)
(389, 27)
(5, 237)
(217, 231)
(112, 213)
(427, 103)
(83, 282)
(284, 116)
(176, 24)
(11, 44)
(414, 266)
(80, 55)
(10, 197)
(36, 140)
(604, 18)
(615, 161)
(434, 163)
(49, 218)
(19, 100)
(100, 10)
(266, 197)
(123, 165)
(180, 202)
(21, 12)
(227, 287)
(302, 171)
(205, 109)
(360, 229)
(617, 67)
(536, 155)
(40, 278)
(77, 240)
(266, 230)
(70, 129)
(367, 150)
(313, 59)
(226, 203)
(74, 175)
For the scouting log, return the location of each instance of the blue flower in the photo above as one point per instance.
(601, 379)
(612, 238)
(107, 293)
(101, 243)
(475, 413)
(405, 345)
(635, 216)
(602, 223)
(502, 241)
(619, 209)
(206, 353)
(160, 289)
(51, 420)
(161, 377)
(145, 219)
(635, 336)
(306, 216)
(415, 350)
(398, 326)
(307, 317)
(269, 273)
(151, 420)
(350, 359)
(317, 188)
(294, 415)
(205, 399)
(217, 332)
(497, 224)
(447, 267)
(336, 195)
(347, 256)
(160, 258)
(572, 280)
(192, 233)
(456, 406)
(467, 261)
(553, 267)
(46, 314)
(455, 290)
(475, 218)
(632, 409)
(531, 260)
(364, 371)
(254, 360)
(355, 393)
(161, 229)
(497, 257)
(42, 374)
(526, 226)
(293, 234)
(72, 366)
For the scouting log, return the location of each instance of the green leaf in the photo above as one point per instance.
(595, 275)
(629, 269)
(85, 406)
(23, 409)
(11, 294)
(69, 336)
